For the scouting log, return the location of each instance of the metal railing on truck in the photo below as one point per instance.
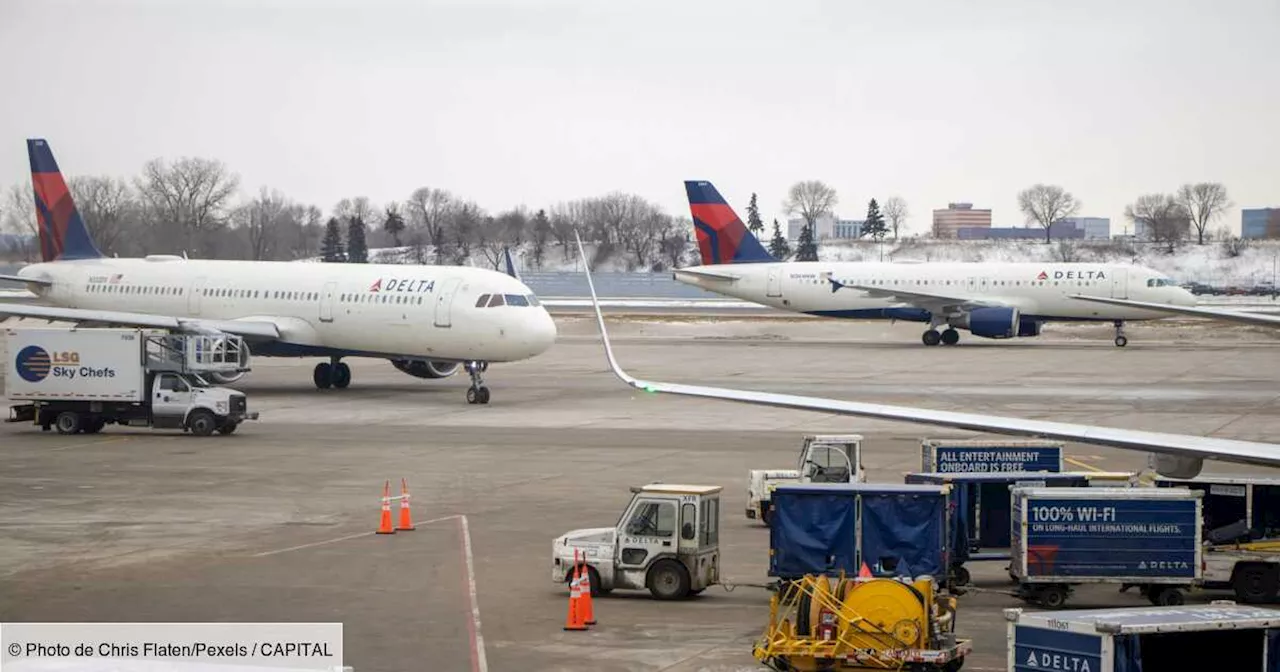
(196, 353)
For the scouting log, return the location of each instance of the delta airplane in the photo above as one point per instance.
(427, 320)
(1174, 455)
(991, 300)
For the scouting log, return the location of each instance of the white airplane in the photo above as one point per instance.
(427, 320)
(1173, 455)
(991, 300)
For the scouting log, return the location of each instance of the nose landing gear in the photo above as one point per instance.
(477, 393)
(1121, 341)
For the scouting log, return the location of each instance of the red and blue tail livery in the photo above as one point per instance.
(62, 232)
(722, 237)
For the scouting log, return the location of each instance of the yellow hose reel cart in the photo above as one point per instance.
(821, 623)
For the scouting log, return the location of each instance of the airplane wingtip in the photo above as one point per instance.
(604, 333)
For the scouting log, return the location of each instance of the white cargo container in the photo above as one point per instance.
(80, 380)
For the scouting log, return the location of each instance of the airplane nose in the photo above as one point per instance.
(542, 332)
(1185, 298)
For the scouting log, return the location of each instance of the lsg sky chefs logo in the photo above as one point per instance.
(33, 363)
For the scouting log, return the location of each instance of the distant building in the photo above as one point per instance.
(947, 223)
(1059, 230)
(1094, 228)
(827, 227)
(1254, 223)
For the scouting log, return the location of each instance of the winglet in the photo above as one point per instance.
(604, 333)
(511, 266)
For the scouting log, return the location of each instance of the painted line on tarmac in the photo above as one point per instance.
(478, 661)
(1082, 465)
(85, 444)
(335, 540)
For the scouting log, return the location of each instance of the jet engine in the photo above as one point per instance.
(424, 368)
(993, 322)
(1176, 466)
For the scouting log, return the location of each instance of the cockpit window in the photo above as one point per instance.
(495, 300)
(533, 301)
(516, 300)
(482, 301)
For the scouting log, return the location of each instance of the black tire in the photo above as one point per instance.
(954, 665)
(950, 337)
(228, 428)
(1257, 583)
(766, 515)
(94, 426)
(323, 376)
(341, 375)
(201, 422)
(68, 422)
(472, 395)
(1166, 596)
(482, 395)
(960, 576)
(931, 337)
(668, 580)
(1052, 597)
(1121, 341)
(596, 590)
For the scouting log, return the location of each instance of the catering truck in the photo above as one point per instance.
(80, 380)
(1147, 538)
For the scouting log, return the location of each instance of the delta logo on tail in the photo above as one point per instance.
(61, 230)
(722, 237)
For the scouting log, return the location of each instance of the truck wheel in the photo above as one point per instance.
(68, 422)
(202, 422)
(960, 576)
(228, 428)
(1254, 583)
(668, 580)
(1053, 597)
(1165, 596)
(596, 589)
(766, 515)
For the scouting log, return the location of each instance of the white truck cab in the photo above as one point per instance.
(667, 541)
(824, 458)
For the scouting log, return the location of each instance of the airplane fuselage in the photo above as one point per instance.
(1040, 292)
(393, 311)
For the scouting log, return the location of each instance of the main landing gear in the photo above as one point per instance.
(332, 373)
(947, 337)
(477, 393)
(1121, 341)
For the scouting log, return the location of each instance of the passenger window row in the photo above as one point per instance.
(219, 293)
(99, 288)
(492, 300)
(380, 298)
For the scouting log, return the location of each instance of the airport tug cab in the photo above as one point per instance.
(667, 541)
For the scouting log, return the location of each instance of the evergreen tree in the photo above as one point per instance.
(394, 223)
(778, 246)
(541, 232)
(806, 247)
(754, 224)
(357, 248)
(331, 249)
(874, 226)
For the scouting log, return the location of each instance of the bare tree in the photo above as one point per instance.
(1203, 203)
(187, 201)
(430, 211)
(811, 200)
(562, 227)
(108, 208)
(515, 225)
(1045, 204)
(675, 241)
(20, 222)
(309, 228)
(895, 210)
(464, 222)
(263, 219)
(1160, 219)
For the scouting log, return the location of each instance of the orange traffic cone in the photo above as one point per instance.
(865, 572)
(384, 526)
(574, 620)
(584, 590)
(406, 523)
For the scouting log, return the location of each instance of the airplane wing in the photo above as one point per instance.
(710, 275)
(932, 302)
(1180, 445)
(1194, 311)
(29, 281)
(260, 329)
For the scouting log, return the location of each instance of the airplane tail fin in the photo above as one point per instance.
(62, 232)
(722, 237)
(510, 264)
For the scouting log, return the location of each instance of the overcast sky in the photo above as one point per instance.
(538, 102)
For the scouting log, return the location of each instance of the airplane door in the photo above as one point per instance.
(444, 302)
(193, 298)
(775, 281)
(326, 301)
(1120, 284)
